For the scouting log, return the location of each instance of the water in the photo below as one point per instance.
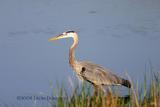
(120, 35)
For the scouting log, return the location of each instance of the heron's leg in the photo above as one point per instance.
(110, 90)
(95, 90)
(109, 97)
(101, 87)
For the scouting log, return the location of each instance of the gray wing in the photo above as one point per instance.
(98, 75)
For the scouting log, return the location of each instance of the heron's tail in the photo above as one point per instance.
(126, 83)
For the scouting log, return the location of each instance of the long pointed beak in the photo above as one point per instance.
(55, 38)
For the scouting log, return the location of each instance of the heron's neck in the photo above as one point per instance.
(72, 59)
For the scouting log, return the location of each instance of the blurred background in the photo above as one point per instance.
(123, 36)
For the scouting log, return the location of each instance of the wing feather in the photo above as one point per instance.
(98, 75)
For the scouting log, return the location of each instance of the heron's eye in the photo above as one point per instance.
(64, 33)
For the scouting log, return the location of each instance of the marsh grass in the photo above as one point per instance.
(83, 96)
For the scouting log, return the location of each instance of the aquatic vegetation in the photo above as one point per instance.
(83, 96)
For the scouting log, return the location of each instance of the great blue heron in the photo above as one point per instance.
(88, 71)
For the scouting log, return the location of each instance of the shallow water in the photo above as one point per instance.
(123, 36)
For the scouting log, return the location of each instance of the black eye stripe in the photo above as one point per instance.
(70, 32)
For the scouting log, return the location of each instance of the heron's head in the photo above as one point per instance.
(64, 35)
